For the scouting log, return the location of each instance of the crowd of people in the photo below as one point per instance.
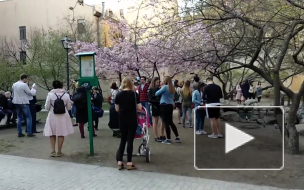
(22, 106)
(247, 90)
(161, 96)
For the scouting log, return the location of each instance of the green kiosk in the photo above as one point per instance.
(87, 80)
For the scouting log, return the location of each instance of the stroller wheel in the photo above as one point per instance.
(141, 149)
(148, 155)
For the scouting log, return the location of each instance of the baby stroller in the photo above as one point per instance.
(114, 122)
(143, 149)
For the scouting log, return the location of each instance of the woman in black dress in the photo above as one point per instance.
(154, 101)
(126, 104)
(80, 102)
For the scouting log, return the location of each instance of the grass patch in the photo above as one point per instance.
(42, 115)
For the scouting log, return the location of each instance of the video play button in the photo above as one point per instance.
(235, 138)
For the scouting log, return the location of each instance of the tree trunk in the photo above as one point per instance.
(156, 71)
(120, 78)
(291, 133)
(138, 73)
(226, 95)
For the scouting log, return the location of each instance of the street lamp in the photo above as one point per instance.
(66, 43)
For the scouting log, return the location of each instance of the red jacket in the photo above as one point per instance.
(143, 93)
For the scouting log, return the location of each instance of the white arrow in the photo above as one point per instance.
(235, 138)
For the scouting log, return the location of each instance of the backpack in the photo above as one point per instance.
(176, 96)
(59, 107)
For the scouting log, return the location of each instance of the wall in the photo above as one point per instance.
(39, 14)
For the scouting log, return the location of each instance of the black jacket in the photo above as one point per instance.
(3, 102)
(154, 100)
(97, 100)
(80, 102)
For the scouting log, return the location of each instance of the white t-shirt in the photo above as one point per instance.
(113, 94)
(251, 89)
(178, 90)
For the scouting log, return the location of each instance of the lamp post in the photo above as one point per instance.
(66, 43)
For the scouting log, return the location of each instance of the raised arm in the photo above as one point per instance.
(28, 91)
(161, 91)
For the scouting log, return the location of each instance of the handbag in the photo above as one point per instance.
(98, 111)
(138, 129)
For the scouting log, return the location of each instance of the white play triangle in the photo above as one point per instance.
(235, 138)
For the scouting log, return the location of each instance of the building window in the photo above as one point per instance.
(111, 13)
(121, 13)
(81, 26)
(22, 31)
(23, 57)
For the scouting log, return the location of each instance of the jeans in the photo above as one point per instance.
(147, 106)
(24, 109)
(7, 112)
(189, 115)
(166, 113)
(199, 119)
(74, 111)
(33, 114)
(2, 114)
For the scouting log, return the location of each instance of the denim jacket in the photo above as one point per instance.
(166, 96)
(196, 98)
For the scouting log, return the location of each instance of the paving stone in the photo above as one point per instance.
(18, 172)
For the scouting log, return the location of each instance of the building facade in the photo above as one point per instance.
(19, 17)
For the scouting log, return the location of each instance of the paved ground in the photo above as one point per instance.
(37, 174)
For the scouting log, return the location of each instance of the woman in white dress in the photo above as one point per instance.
(239, 93)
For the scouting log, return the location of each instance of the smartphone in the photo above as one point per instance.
(34, 85)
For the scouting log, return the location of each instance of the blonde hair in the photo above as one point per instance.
(186, 90)
(1, 92)
(76, 85)
(127, 83)
(168, 81)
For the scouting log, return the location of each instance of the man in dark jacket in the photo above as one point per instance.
(4, 109)
(245, 89)
(97, 100)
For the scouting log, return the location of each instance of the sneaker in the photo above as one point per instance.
(166, 141)
(31, 135)
(213, 136)
(162, 138)
(157, 139)
(191, 127)
(220, 136)
(21, 135)
(177, 140)
(203, 132)
(198, 133)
